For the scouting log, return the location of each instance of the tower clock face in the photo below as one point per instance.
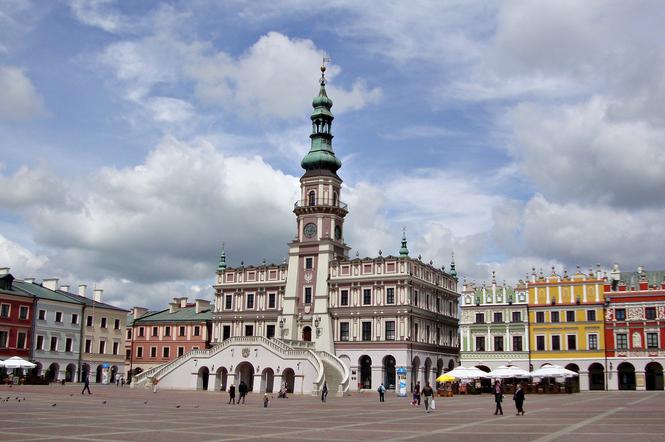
(309, 230)
(338, 233)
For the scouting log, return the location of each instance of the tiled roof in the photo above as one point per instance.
(91, 302)
(186, 314)
(42, 292)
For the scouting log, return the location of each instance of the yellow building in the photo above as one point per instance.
(566, 315)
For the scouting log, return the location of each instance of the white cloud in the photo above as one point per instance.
(418, 131)
(20, 259)
(578, 152)
(19, 99)
(100, 14)
(170, 110)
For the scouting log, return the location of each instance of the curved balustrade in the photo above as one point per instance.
(335, 361)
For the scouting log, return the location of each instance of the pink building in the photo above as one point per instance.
(154, 338)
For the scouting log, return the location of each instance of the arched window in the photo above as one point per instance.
(311, 198)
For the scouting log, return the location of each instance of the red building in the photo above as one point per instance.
(156, 337)
(16, 311)
(635, 329)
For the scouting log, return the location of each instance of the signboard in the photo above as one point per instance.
(401, 381)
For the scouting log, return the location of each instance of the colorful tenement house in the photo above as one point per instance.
(322, 316)
(566, 324)
(154, 338)
(494, 326)
(56, 331)
(16, 315)
(635, 329)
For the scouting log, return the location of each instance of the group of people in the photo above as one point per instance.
(518, 397)
(427, 393)
(242, 391)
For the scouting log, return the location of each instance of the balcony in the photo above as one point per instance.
(327, 204)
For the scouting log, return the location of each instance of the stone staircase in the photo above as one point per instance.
(336, 374)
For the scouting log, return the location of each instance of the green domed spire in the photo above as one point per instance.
(453, 272)
(404, 251)
(321, 155)
(222, 261)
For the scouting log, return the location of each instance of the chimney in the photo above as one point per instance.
(29, 280)
(201, 304)
(50, 283)
(82, 288)
(137, 312)
(64, 288)
(98, 295)
(4, 271)
(174, 306)
(183, 302)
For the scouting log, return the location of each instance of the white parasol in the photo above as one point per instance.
(508, 371)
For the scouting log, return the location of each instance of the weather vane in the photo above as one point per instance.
(323, 68)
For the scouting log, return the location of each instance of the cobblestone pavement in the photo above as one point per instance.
(123, 414)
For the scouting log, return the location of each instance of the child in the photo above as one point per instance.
(266, 401)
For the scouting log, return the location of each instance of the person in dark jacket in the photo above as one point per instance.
(324, 392)
(242, 389)
(86, 385)
(416, 394)
(519, 400)
(232, 394)
(428, 392)
(498, 397)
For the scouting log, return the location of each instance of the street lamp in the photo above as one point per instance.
(317, 321)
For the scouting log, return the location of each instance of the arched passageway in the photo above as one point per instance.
(451, 364)
(245, 372)
(365, 363)
(626, 372)
(114, 374)
(98, 377)
(267, 380)
(653, 374)
(596, 376)
(289, 378)
(52, 372)
(221, 378)
(573, 382)
(389, 379)
(70, 373)
(415, 368)
(202, 378)
(428, 371)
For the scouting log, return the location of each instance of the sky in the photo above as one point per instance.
(138, 137)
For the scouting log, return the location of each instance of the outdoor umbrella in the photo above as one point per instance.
(553, 371)
(507, 372)
(446, 377)
(17, 362)
(462, 372)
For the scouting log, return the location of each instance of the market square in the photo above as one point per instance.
(197, 416)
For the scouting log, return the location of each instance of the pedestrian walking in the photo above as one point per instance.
(518, 397)
(266, 400)
(117, 382)
(242, 389)
(155, 381)
(232, 394)
(429, 396)
(86, 385)
(122, 382)
(498, 397)
(324, 392)
(382, 393)
(416, 394)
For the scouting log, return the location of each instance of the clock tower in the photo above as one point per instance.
(320, 236)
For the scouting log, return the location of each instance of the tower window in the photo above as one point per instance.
(311, 198)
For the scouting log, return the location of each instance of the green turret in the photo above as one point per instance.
(453, 272)
(403, 251)
(321, 156)
(222, 261)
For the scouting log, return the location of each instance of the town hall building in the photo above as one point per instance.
(323, 316)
